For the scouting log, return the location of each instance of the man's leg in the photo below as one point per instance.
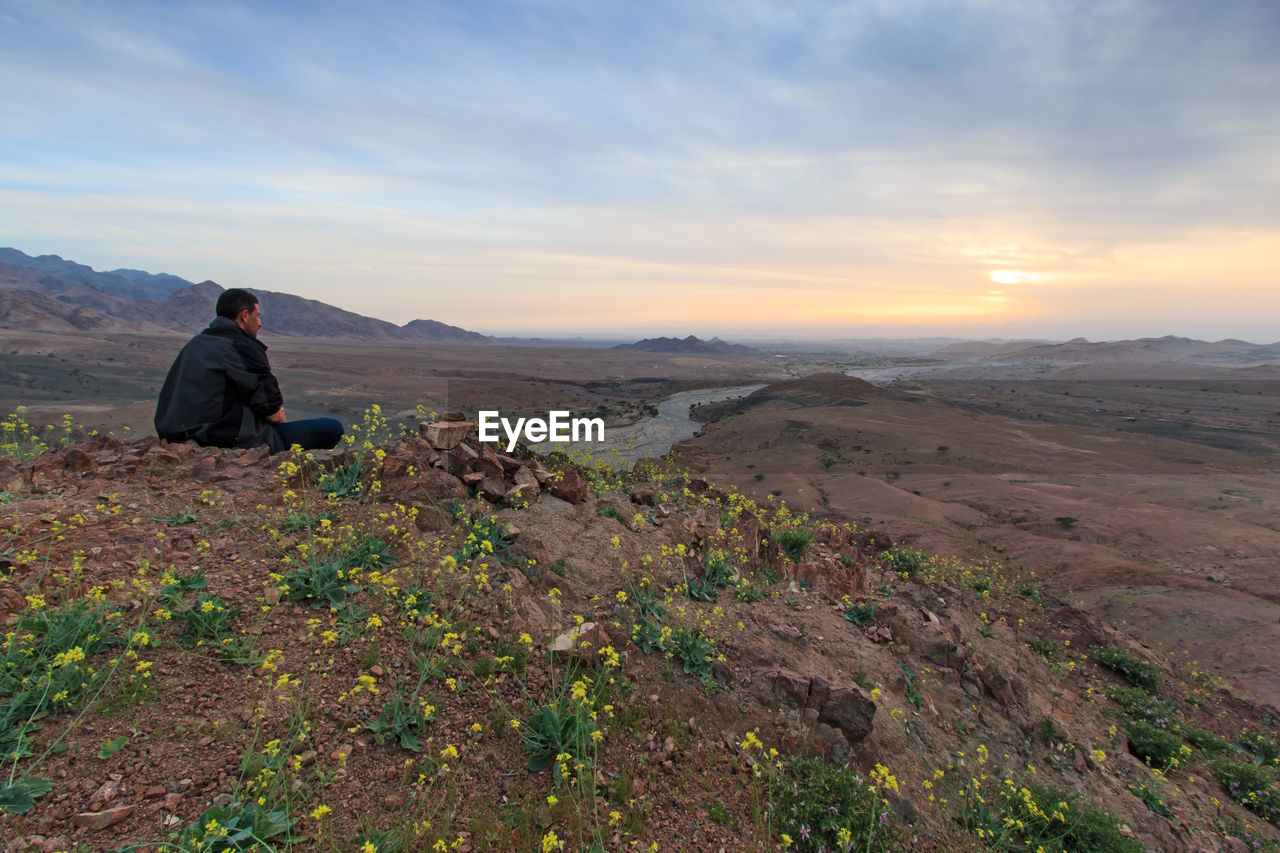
(311, 433)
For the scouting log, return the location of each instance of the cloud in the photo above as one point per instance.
(527, 144)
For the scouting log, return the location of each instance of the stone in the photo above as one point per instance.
(582, 641)
(644, 495)
(446, 435)
(453, 417)
(570, 486)
(791, 688)
(102, 819)
(522, 476)
(849, 710)
(460, 460)
(441, 486)
(493, 488)
(519, 495)
(1000, 686)
(475, 478)
(488, 464)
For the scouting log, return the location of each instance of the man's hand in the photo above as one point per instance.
(277, 417)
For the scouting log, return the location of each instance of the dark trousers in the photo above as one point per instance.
(311, 433)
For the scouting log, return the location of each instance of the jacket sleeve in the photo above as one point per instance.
(255, 380)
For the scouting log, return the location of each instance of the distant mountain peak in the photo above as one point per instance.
(692, 345)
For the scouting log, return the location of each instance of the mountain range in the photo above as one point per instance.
(49, 293)
(690, 345)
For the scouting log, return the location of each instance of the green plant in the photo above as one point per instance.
(694, 651)
(19, 796)
(402, 717)
(861, 615)
(208, 618)
(1255, 787)
(746, 591)
(820, 807)
(324, 584)
(1137, 672)
(1045, 648)
(1042, 818)
(609, 512)
(46, 667)
(1150, 796)
(1155, 745)
(341, 481)
(238, 826)
(186, 517)
(558, 732)
(904, 560)
(1048, 733)
(1066, 521)
(794, 542)
(484, 536)
(1265, 749)
(909, 675)
(1138, 704)
(648, 635)
(1212, 743)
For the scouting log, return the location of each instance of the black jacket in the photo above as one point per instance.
(220, 391)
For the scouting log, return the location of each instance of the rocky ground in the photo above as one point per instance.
(417, 643)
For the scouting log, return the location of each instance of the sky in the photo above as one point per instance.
(589, 167)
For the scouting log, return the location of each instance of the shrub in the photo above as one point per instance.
(904, 560)
(1138, 704)
(341, 482)
(324, 584)
(238, 826)
(794, 543)
(694, 651)
(821, 807)
(1042, 818)
(1157, 746)
(1256, 788)
(1137, 672)
(1211, 743)
(1264, 748)
(558, 732)
(861, 614)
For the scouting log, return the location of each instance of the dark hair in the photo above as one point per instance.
(233, 301)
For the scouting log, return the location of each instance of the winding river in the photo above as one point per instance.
(652, 436)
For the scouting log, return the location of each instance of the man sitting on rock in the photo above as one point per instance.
(220, 391)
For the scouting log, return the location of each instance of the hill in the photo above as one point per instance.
(172, 303)
(429, 642)
(690, 345)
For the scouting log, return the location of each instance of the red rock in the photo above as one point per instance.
(851, 711)
(103, 819)
(446, 435)
(489, 465)
(453, 417)
(570, 487)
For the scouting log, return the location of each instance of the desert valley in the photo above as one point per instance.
(1116, 495)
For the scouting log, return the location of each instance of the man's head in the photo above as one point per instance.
(240, 307)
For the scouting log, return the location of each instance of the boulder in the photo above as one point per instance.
(446, 435)
(570, 486)
(849, 710)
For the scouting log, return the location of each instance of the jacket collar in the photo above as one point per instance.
(226, 326)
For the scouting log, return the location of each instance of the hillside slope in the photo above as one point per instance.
(360, 648)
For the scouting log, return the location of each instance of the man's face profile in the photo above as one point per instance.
(250, 320)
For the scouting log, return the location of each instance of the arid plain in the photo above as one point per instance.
(1145, 490)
